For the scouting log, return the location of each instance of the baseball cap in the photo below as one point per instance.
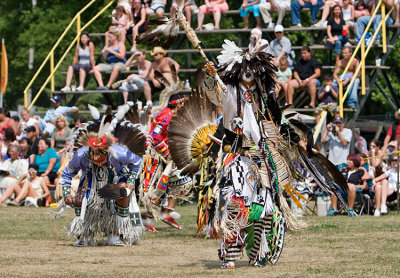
(30, 129)
(158, 49)
(279, 28)
(339, 120)
(55, 98)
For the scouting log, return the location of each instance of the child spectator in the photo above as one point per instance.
(328, 93)
(120, 23)
(360, 10)
(283, 76)
(336, 31)
(250, 6)
(348, 14)
(82, 63)
(216, 7)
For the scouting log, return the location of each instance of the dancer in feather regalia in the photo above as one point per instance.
(162, 184)
(109, 156)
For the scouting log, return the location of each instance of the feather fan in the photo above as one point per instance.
(112, 191)
(133, 136)
(188, 132)
(165, 27)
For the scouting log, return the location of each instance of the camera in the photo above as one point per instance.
(334, 129)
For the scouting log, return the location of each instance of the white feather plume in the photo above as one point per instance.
(94, 112)
(231, 54)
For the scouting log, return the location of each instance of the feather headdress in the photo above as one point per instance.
(233, 61)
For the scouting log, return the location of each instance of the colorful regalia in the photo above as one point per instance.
(109, 156)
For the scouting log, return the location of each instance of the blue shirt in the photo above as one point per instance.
(43, 161)
(51, 114)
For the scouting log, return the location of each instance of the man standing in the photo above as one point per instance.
(162, 64)
(339, 139)
(56, 110)
(341, 65)
(281, 46)
(305, 75)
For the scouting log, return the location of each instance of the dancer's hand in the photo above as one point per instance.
(68, 200)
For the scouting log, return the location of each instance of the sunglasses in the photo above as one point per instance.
(278, 32)
(372, 146)
(32, 171)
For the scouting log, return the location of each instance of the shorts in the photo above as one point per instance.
(52, 176)
(155, 89)
(109, 67)
(214, 8)
(77, 68)
(156, 6)
(317, 80)
(351, 22)
(254, 9)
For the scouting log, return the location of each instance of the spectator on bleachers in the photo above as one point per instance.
(386, 188)
(256, 41)
(61, 135)
(360, 143)
(120, 23)
(52, 113)
(216, 7)
(6, 122)
(8, 139)
(114, 54)
(306, 73)
(190, 6)
(156, 7)
(47, 160)
(336, 31)
(393, 134)
(134, 81)
(250, 6)
(362, 21)
(82, 63)
(297, 5)
(26, 120)
(326, 11)
(23, 144)
(162, 64)
(33, 141)
(356, 178)
(79, 122)
(13, 169)
(341, 65)
(33, 187)
(272, 5)
(376, 161)
(283, 77)
(280, 46)
(360, 10)
(348, 15)
(140, 24)
(329, 92)
(339, 139)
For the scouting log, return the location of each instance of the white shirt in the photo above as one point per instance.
(391, 174)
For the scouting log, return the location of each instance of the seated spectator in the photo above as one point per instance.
(326, 11)
(348, 15)
(6, 122)
(216, 7)
(393, 134)
(339, 139)
(306, 73)
(79, 122)
(386, 188)
(356, 177)
(190, 6)
(13, 169)
(272, 5)
(283, 77)
(23, 144)
(250, 6)
(26, 120)
(47, 160)
(280, 46)
(33, 142)
(297, 5)
(61, 137)
(329, 92)
(162, 64)
(336, 31)
(34, 187)
(53, 112)
(82, 64)
(114, 54)
(8, 140)
(360, 143)
(140, 24)
(376, 161)
(157, 7)
(256, 41)
(134, 81)
(341, 65)
(120, 23)
(363, 21)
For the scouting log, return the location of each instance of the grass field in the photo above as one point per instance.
(33, 244)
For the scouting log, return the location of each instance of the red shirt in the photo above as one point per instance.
(390, 132)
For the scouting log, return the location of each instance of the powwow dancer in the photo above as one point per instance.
(106, 201)
(259, 148)
(162, 183)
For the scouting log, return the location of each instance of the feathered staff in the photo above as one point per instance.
(169, 28)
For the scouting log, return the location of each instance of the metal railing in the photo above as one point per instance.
(50, 56)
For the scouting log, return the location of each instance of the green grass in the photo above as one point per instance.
(34, 244)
